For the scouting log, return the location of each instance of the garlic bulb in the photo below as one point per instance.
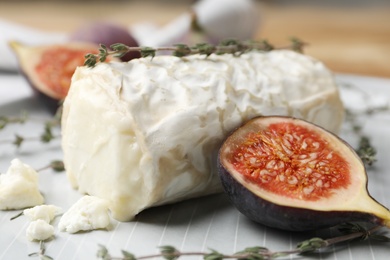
(222, 19)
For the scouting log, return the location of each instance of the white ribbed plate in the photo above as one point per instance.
(194, 225)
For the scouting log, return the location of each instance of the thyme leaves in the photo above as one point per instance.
(229, 46)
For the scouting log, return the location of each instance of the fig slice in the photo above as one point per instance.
(290, 174)
(49, 68)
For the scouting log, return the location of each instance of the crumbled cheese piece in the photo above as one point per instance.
(88, 213)
(39, 230)
(44, 212)
(19, 187)
(150, 129)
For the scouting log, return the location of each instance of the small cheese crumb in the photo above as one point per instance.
(39, 230)
(19, 187)
(88, 213)
(43, 212)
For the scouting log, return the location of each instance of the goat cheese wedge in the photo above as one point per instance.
(146, 132)
(19, 187)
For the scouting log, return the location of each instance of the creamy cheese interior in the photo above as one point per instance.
(146, 132)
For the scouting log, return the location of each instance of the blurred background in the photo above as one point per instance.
(350, 36)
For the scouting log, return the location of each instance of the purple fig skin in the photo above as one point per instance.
(107, 34)
(50, 103)
(283, 217)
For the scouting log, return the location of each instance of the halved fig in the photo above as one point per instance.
(290, 174)
(49, 68)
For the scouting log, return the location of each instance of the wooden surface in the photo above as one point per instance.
(349, 39)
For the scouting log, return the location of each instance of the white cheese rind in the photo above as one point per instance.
(19, 187)
(145, 133)
(88, 213)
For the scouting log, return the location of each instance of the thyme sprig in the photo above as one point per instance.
(55, 165)
(45, 137)
(366, 151)
(350, 232)
(229, 46)
(4, 120)
(41, 253)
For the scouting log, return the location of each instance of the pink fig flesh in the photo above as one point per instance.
(290, 174)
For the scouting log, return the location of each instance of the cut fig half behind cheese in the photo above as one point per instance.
(290, 174)
(49, 68)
